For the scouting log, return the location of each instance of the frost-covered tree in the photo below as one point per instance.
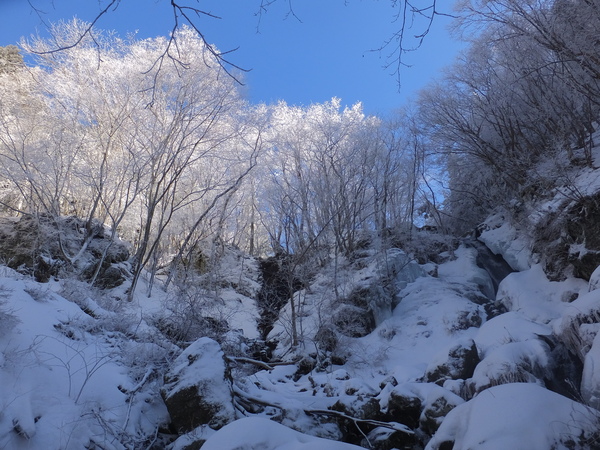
(556, 53)
(38, 175)
(332, 178)
(321, 161)
(524, 90)
(147, 152)
(10, 59)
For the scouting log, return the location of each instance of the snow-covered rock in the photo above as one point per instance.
(594, 280)
(458, 362)
(46, 247)
(579, 323)
(518, 416)
(590, 382)
(399, 266)
(402, 405)
(506, 328)
(502, 238)
(392, 271)
(349, 297)
(197, 388)
(421, 406)
(537, 298)
(436, 406)
(254, 433)
(192, 440)
(513, 362)
(463, 268)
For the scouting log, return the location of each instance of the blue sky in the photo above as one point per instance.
(325, 53)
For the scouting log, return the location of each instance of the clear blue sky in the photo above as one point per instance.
(324, 54)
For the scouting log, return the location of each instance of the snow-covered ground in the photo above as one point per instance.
(87, 372)
(70, 379)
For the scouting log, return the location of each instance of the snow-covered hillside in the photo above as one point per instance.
(136, 198)
(442, 364)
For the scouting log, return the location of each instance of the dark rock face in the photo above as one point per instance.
(278, 284)
(460, 365)
(379, 438)
(434, 413)
(404, 409)
(585, 264)
(466, 320)
(197, 388)
(52, 247)
(353, 321)
(326, 339)
(386, 439)
(351, 434)
(571, 236)
(188, 408)
(583, 229)
(109, 278)
(495, 265)
(564, 369)
(305, 366)
(494, 309)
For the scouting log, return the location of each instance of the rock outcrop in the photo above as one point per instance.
(197, 388)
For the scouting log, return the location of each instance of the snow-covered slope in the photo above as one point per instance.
(441, 365)
(70, 380)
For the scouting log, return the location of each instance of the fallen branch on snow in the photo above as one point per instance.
(247, 398)
(241, 359)
(261, 364)
(391, 425)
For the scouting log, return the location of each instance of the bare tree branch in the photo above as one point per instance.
(187, 13)
(411, 16)
(401, 42)
(87, 32)
(245, 397)
(182, 15)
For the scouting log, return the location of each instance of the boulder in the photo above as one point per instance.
(360, 408)
(435, 408)
(111, 277)
(57, 247)
(518, 416)
(579, 324)
(353, 321)
(198, 388)
(194, 440)
(459, 364)
(403, 407)
(305, 366)
(382, 438)
(514, 362)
